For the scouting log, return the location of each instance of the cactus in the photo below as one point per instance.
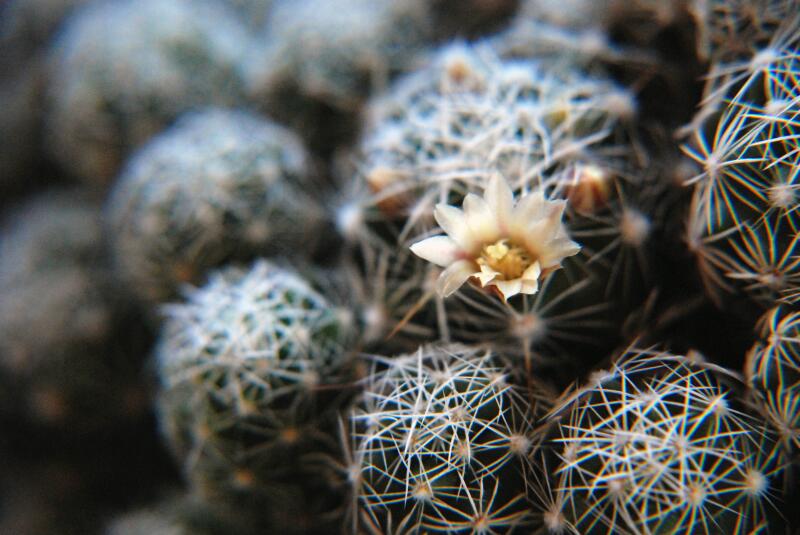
(440, 137)
(62, 325)
(733, 29)
(219, 185)
(180, 515)
(742, 225)
(315, 61)
(655, 445)
(335, 52)
(123, 70)
(441, 438)
(773, 372)
(440, 130)
(246, 364)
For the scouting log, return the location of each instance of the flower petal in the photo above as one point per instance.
(508, 288)
(530, 279)
(530, 207)
(454, 276)
(486, 275)
(556, 251)
(481, 220)
(500, 199)
(440, 250)
(454, 223)
(532, 272)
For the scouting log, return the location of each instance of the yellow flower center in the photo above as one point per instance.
(506, 258)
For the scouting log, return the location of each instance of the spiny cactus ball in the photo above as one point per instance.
(773, 371)
(441, 439)
(743, 223)
(180, 515)
(218, 185)
(446, 128)
(122, 70)
(655, 445)
(242, 362)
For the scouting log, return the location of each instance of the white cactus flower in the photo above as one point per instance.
(502, 244)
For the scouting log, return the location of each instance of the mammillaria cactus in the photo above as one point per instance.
(60, 319)
(441, 439)
(336, 51)
(244, 362)
(441, 129)
(656, 445)
(735, 29)
(555, 138)
(470, 220)
(743, 225)
(180, 515)
(773, 372)
(316, 61)
(124, 69)
(219, 185)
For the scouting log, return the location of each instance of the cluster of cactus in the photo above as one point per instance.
(364, 244)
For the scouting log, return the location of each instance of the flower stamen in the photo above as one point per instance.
(506, 258)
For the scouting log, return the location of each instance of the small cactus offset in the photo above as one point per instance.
(441, 439)
(655, 445)
(243, 363)
(219, 185)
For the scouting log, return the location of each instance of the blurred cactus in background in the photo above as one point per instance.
(219, 185)
(63, 360)
(124, 69)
